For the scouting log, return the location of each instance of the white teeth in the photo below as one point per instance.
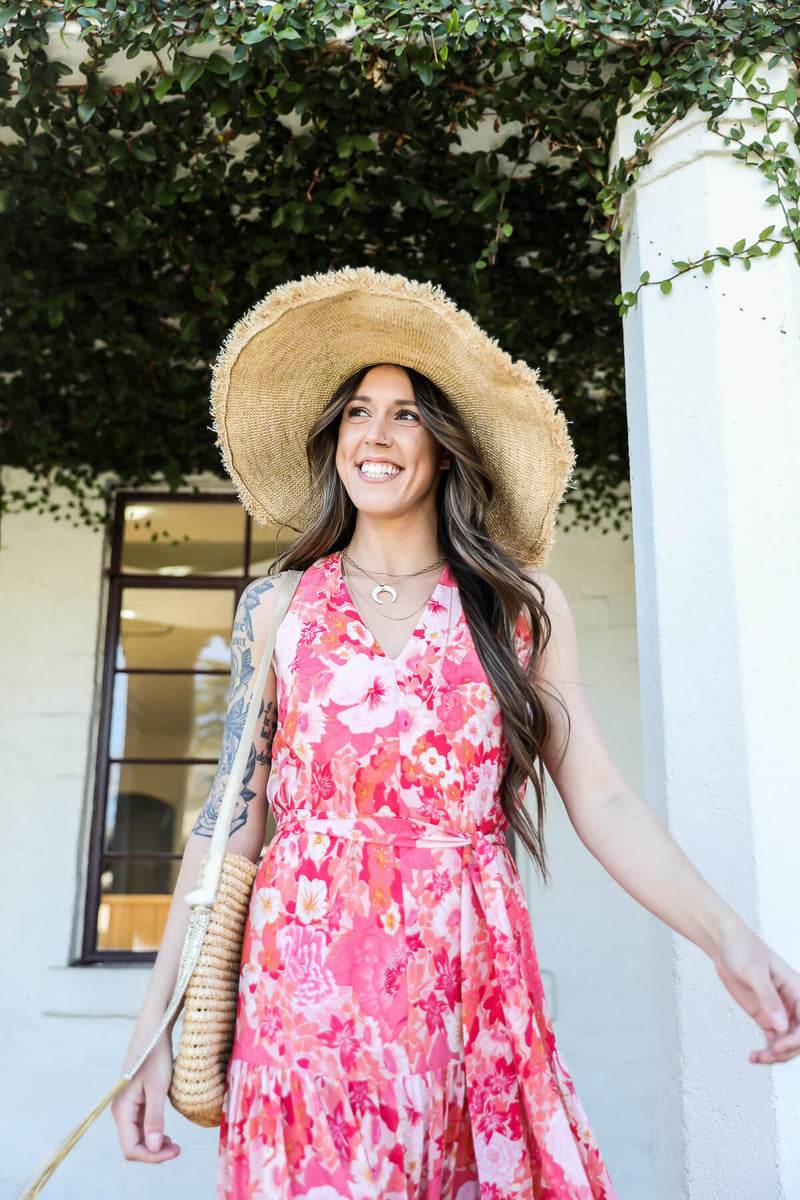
(378, 470)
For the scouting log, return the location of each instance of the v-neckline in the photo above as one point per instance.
(419, 629)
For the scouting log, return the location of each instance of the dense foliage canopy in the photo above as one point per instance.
(165, 164)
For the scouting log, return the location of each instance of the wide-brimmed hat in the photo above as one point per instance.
(285, 359)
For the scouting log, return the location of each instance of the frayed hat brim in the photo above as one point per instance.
(285, 359)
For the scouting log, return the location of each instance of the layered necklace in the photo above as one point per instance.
(381, 587)
(345, 558)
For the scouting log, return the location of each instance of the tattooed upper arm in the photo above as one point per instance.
(248, 636)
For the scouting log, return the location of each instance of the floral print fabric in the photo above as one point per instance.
(392, 1040)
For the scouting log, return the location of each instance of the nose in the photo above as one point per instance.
(378, 433)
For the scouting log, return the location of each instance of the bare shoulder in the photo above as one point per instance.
(559, 656)
(255, 608)
(553, 598)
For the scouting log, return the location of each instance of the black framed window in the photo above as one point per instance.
(178, 566)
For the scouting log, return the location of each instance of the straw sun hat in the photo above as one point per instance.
(284, 360)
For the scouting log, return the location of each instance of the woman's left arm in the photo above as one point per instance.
(630, 842)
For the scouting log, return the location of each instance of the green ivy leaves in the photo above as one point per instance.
(548, 11)
(250, 143)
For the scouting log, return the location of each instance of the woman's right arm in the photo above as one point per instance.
(631, 843)
(139, 1108)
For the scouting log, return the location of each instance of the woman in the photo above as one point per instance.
(392, 1034)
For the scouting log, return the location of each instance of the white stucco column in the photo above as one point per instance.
(713, 392)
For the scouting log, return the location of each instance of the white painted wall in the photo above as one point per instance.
(72, 1024)
(596, 946)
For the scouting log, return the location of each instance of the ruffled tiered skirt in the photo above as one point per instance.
(292, 1133)
(392, 1038)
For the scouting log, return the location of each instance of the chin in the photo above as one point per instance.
(373, 507)
(371, 495)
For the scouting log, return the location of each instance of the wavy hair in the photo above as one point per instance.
(495, 589)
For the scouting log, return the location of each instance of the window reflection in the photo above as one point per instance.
(183, 538)
(267, 542)
(139, 791)
(171, 628)
(168, 716)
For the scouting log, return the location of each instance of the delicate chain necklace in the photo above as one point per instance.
(380, 586)
(438, 675)
(389, 616)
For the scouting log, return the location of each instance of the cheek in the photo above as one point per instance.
(431, 454)
(346, 447)
(341, 450)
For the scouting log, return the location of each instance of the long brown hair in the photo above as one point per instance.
(494, 588)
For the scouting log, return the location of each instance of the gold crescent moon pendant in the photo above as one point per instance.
(384, 587)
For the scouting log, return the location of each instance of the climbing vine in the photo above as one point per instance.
(163, 165)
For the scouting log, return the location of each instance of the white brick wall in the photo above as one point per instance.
(72, 1024)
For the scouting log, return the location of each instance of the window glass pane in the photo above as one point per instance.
(151, 808)
(168, 697)
(175, 627)
(262, 546)
(174, 538)
(134, 903)
(168, 716)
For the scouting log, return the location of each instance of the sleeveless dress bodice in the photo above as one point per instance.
(392, 1036)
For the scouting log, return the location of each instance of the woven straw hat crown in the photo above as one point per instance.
(285, 359)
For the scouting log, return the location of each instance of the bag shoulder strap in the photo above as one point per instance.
(205, 894)
(201, 901)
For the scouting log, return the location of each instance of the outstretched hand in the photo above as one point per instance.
(766, 988)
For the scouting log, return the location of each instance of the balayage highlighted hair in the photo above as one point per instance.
(494, 588)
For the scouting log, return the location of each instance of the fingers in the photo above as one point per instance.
(125, 1111)
(153, 1122)
(768, 990)
(167, 1150)
(783, 1038)
(154, 1139)
(787, 982)
(770, 1013)
(779, 1048)
(775, 1054)
(139, 1114)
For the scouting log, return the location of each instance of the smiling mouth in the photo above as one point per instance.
(375, 470)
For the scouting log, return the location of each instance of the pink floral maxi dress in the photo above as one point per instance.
(393, 1041)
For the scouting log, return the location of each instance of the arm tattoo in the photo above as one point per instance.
(268, 732)
(242, 672)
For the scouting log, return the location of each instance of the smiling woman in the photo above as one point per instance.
(392, 1035)
(434, 507)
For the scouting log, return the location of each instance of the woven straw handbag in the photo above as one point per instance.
(208, 973)
(209, 1007)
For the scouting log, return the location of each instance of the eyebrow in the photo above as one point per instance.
(407, 403)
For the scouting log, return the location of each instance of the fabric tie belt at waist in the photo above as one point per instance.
(492, 900)
(399, 831)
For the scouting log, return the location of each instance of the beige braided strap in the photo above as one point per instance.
(201, 900)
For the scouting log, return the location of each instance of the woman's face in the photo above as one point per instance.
(387, 458)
